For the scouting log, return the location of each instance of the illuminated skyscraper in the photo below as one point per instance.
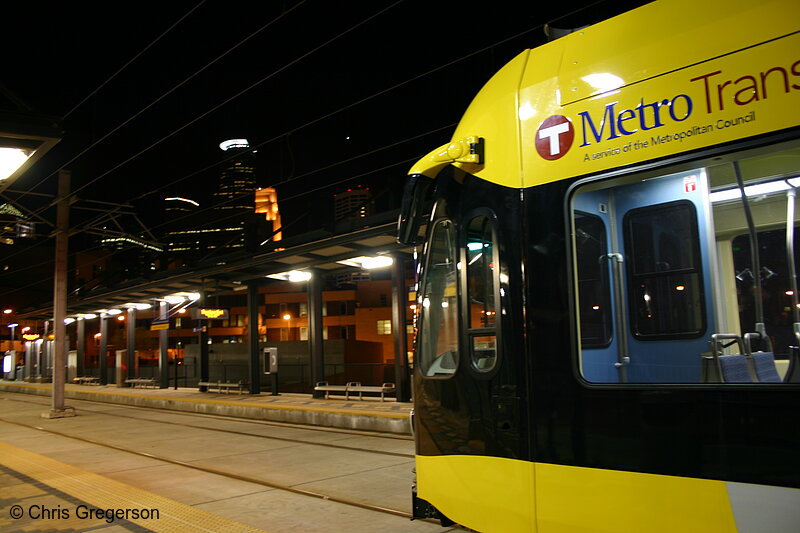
(234, 201)
(182, 234)
(267, 203)
(239, 215)
(353, 203)
(237, 181)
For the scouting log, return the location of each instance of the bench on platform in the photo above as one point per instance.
(86, 380)
(142, 382)
(222, 386)
(327, 388)
(355, 387)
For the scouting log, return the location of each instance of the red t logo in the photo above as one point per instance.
(554, 137)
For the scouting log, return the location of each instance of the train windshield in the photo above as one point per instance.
(438, 348)
(667, 285)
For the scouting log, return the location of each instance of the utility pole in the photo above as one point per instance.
(58, 409)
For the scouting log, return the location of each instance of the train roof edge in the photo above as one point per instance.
(600, 60)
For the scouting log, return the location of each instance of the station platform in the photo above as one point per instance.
(50, 495)
(367, 414)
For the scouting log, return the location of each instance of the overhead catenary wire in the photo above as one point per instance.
(356, 103)
(164, 95)
(318, 119)
(216, 220)
(131, 60)
(269, 76)
(235, 96)
(86, 226)
(405, 82)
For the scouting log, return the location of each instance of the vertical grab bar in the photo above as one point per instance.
(623, 357)
(790, 208)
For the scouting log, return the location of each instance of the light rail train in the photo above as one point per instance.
(608, 297)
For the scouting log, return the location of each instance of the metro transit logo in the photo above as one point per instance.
(554, 137)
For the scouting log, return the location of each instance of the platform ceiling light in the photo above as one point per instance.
(69, 320)
(89, 316)
(174, 299)
(299, 275)
(193, 296)
(137, 306)
(292, 275)
(11, 159)
(24, 138)
(113, 312)
(369, 262)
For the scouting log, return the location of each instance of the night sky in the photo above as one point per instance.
(334, 94)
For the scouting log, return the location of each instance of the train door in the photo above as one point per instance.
(644, 257)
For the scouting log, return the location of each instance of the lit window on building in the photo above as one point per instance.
(384, 327)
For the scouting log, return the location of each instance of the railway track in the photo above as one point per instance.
(74, 433)
(241, 433)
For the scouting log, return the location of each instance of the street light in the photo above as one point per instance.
(13, 326)
(288, 318)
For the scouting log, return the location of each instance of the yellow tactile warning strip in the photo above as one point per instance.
(101, 496)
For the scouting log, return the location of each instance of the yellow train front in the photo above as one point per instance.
(608, 290)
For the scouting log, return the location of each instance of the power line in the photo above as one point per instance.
(91, 94)
(237, 95)
(314, 121)
(405, 82)
(323, 117)
(356, 103)
(164, 95)
(134, 58)
(87, 225)
(349, 178)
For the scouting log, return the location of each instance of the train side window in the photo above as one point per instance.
(665, 282)
(594, 303)
(482, 286)
(438, 349)
(683, 258)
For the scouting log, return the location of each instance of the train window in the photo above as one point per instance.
(669, 256)
(776, 285)
(593, 288)
(480, 273)
(665, 285)
(481, 289)
(438, 350)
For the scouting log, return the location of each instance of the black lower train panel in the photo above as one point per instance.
(422, 509)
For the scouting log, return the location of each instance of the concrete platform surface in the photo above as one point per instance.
(369, 414)
(116, 468)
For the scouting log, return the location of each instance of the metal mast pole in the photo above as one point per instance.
(57, 409)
